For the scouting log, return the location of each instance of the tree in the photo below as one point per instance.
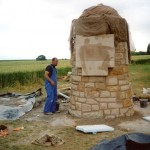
(148, 49)
(41, 57)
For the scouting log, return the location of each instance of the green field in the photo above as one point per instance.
(138, 57)
(29, 73)
(12, 66)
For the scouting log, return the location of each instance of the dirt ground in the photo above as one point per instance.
(61, 121)
(135, 123)
(63, 125)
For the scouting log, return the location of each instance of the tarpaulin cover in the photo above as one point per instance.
(13, 105)
(131, 141)
(98, 20)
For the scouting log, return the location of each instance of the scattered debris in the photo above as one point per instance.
(48, 140)
(68, 77)
(143, 103)
(146, 90)
(3, 131)
(143, 100)
(18, 128)
(63, 95)
(94, 128)
(147, 118)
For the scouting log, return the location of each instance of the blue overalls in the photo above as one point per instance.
(50, 104)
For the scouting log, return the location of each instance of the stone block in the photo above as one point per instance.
(113, 88)
(103, 105)
(86, 108)
(105, 94)
(76, 78)
(85, 79)
(128, 94)
(93, 115)
(123, 110)
(122, 82)
(72, 99)
(115, 111)
(100, 86)
(91, 101)
(95, 54)
(113, 105)
(91, 92)
(73, 86)
(127, 102)
(97, 79)
(82, 94)
(116, 71)
(95, 107)
(107, 112)
(119, 56)
(111, 80)
(114, 94)
(72, 107)
(89, 84)
(124, 87)
(110, 117)
(81, 87)
(75, 113)
(106, 100)
(78, 106)
(75, 93)
(82, 100)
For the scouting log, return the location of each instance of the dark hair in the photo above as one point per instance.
(54, 58)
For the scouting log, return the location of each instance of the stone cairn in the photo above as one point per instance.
(108, 95)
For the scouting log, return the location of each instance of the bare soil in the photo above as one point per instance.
(62, 124)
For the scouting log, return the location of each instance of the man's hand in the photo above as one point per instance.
(52, 83)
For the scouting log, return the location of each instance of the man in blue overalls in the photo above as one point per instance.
(51, 87)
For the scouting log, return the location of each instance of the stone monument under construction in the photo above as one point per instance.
(100, 55)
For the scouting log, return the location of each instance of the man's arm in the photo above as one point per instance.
(48, 78)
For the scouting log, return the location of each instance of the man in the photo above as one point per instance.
(51, 87)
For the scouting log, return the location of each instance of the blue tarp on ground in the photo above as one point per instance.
(13, 105)
(131, 141)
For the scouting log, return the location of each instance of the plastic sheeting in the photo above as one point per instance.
(131, 141)
(147, 118)
(13, 106)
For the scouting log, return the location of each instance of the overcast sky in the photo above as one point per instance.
(29, 28)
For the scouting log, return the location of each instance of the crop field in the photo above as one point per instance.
(15, 73)
(11, 66)
(138, 57)
(34, 127)
(27, 72)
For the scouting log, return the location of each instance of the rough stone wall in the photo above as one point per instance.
(102, 96)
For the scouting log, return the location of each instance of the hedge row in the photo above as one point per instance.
(11, 79)
(141, 61)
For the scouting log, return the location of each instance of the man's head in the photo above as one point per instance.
(54, 61)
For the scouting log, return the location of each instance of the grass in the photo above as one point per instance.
(139, 57)
(139, 73)
(21, 140)
(12, 66)
(27, 72)
(140, 77)
(74, 140)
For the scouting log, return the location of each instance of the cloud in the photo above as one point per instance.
(29, 28)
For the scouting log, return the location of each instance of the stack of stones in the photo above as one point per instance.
(102, 96)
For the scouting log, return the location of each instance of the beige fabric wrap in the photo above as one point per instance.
(99, 20)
